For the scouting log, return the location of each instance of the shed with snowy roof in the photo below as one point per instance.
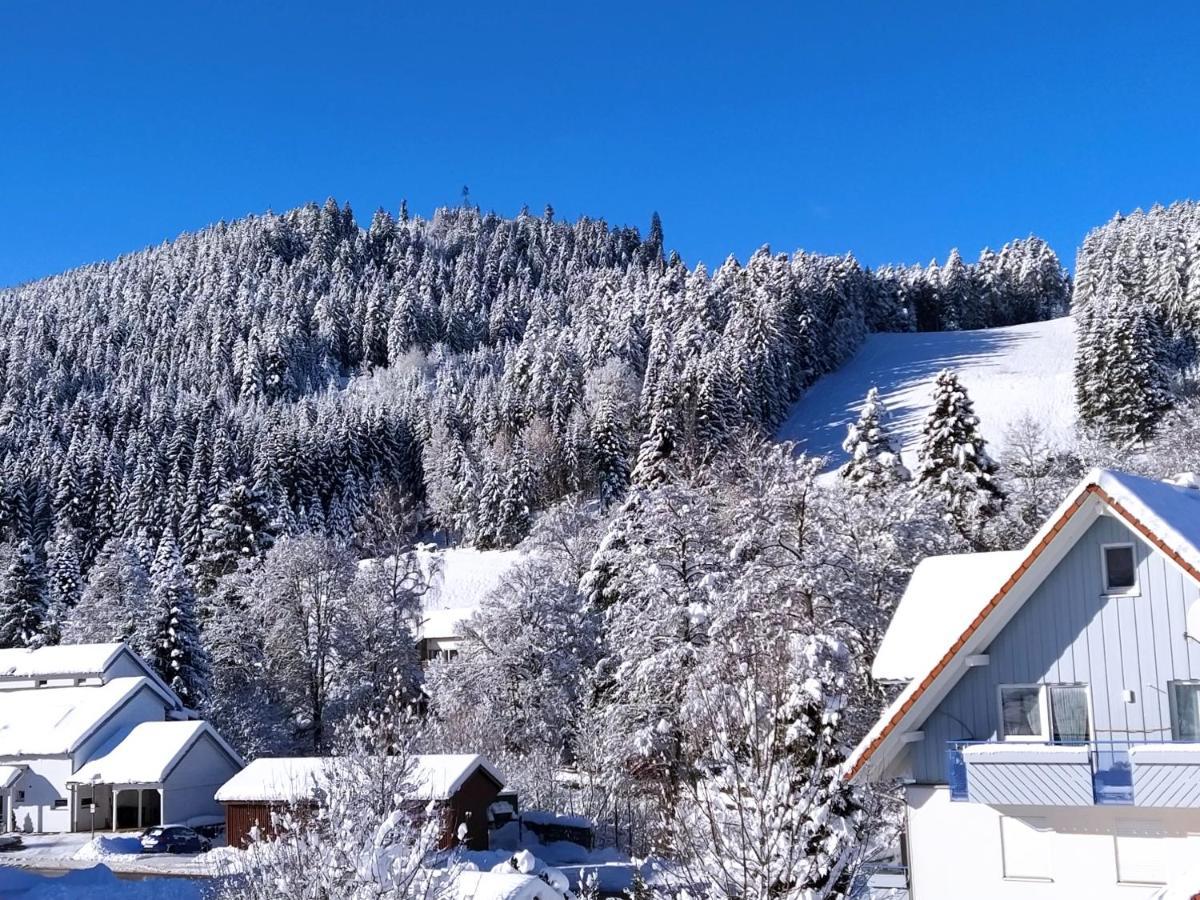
(462, 786)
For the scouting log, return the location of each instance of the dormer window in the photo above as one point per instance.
(1120, 569)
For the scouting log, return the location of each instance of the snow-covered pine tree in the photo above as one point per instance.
(65, 579)
(179, 656)
(238, 528)
(954, 471)
(611, 454)
(115, 603)
(23, 611)
(1137, 387)
(874, 462)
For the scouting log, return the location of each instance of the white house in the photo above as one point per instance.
(1048, 734)
(91, 737)
(458, 580)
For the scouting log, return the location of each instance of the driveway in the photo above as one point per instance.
(57, 852)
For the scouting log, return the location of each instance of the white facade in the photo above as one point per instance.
(959, 850)
(1048, 736)
(68, 714)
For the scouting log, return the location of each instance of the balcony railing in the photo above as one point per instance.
(1165, 773)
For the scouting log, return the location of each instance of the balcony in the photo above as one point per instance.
(1096, 773)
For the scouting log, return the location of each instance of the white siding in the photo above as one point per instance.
(190, 787)
(125, 665)
(958, 850)
(43, 784)
(144, 706)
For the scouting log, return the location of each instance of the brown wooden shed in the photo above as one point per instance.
(460, 786)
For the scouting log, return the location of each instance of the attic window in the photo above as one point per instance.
(1120, 570)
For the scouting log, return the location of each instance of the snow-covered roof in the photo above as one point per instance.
(1171, 511)
(54, 721)
(438, 776)
(9, 776)
(944, 594)
(62, 661)
(146, 753)
(281, 779)
(435, 776)
(1163, 513)
(461, 577)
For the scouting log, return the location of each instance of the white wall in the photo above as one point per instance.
(123, 666)
(959, 850)
(46, 780)
(43, 783)
(144, 706)
(190, 787)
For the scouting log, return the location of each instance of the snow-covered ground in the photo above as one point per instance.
(119, 852)
(1008, 372)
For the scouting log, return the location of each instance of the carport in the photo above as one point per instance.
(151, 774)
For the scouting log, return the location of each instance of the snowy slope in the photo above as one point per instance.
(1007, 372)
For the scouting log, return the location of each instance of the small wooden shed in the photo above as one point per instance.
(461, 787)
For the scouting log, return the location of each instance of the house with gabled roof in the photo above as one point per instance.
(92, 738)
(1047, 733)
(459, 788)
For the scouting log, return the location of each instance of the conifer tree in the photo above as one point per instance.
(874, 462)
(23, 599)
(611, 454)
(179, 656)
(65, 579)
(954, 470)
(1137, 390)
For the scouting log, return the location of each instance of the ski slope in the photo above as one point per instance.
(1008, 372)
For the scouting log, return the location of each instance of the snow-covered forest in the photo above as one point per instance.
(201, 443)
(1137, 304)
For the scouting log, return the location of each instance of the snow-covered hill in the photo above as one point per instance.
(1007, 371)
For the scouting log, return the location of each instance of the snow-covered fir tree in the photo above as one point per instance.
(874, 461)
(178, 653)
(954, 471)
(23, 612)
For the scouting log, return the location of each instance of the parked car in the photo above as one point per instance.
(174, 839)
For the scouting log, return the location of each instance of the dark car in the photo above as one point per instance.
(174, 839)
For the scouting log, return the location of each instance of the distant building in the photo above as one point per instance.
(1048, 734)
(462, 787)
(91, 737)
(459, 579)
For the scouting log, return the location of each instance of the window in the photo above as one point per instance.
(1045, 712)
(61, 803)
(1185, 710)
(1023, 849)
(1120, 569)
(1068, 713)
(1021, 711)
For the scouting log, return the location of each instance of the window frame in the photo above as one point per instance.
(1045, 719)
(1173, 705)
(1043, 714)
(1134, 589)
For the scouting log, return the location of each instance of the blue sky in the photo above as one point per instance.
(892, 130)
